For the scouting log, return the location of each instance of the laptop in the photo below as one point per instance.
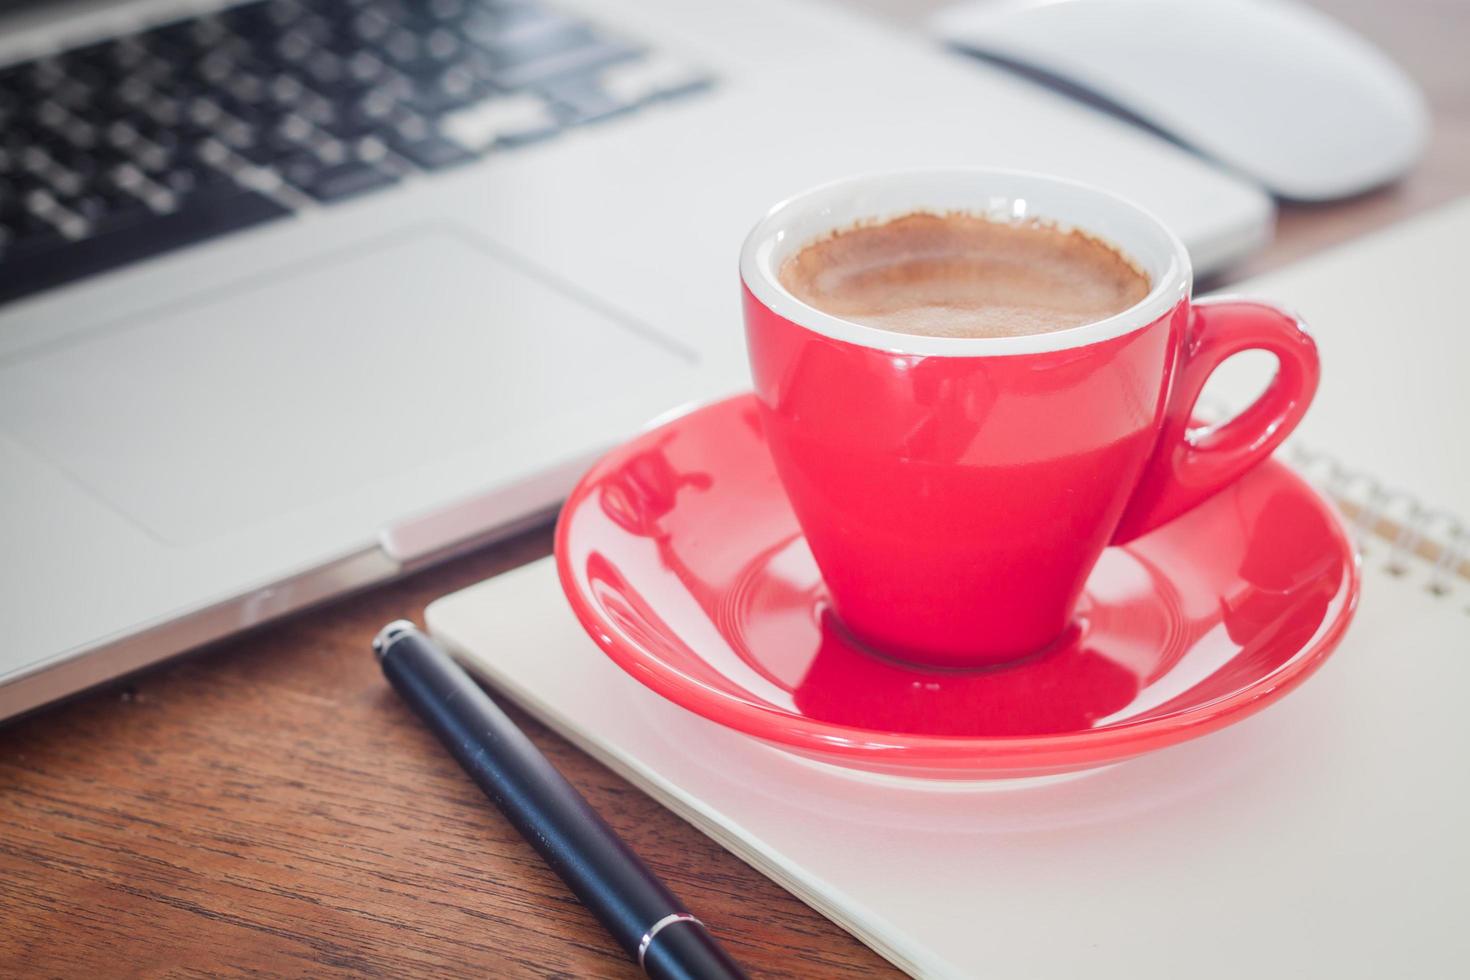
(297, 296)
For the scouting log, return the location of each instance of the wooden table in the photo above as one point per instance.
(267, 806)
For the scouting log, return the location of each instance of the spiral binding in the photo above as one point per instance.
(1393, 528)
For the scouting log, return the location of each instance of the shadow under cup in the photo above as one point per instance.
(956, 492)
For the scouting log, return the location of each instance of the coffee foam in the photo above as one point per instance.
(963, 275)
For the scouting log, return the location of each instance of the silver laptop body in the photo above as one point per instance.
(200, 441)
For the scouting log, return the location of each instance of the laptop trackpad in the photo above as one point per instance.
(294, 389)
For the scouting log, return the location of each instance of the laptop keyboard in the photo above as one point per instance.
(129, 148)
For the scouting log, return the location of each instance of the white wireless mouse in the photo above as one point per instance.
(1269, 88)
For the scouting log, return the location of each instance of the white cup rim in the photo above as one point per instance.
(1002, 194)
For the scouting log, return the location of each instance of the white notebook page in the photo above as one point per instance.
(1325, 836)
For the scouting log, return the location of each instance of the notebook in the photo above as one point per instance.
(1325, 836)
(1385, 432)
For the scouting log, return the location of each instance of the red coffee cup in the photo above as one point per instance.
(956, 492)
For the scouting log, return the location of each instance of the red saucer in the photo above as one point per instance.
(682, 559)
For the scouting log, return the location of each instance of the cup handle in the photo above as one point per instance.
(1191, 463)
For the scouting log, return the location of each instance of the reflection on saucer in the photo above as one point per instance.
(1064, 689)
(680, 555)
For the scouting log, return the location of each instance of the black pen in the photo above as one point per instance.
(653, 927)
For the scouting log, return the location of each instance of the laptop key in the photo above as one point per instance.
(431, 152)
(299, 167)
(346, 180)
(186, 178)
(583, 99)
(106, 208)
(436, 96)
(513, 118)
(647, 79)
(199, 218)
(573, 61)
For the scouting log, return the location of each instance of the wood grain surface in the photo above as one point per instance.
(268, 807)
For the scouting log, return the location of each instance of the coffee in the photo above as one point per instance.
(962, 275)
